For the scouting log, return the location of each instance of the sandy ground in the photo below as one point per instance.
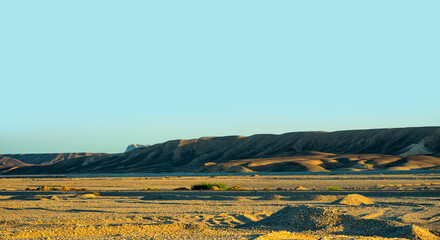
(123, 208)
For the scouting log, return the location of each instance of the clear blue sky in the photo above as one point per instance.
(95, 76)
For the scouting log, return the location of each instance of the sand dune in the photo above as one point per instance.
(324, 162)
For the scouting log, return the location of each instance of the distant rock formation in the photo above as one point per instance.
(135, 146)
(12, 161)
(416, 149)
(397, 149)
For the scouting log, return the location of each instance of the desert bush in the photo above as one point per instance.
(152, 189)
(208, 186)
(267, 189)
(334, 188)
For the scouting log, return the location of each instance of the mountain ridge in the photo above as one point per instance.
(356, 150)
(8, 161)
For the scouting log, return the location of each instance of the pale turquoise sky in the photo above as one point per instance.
(95, 76)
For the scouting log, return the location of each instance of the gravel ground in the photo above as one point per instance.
(122, 208)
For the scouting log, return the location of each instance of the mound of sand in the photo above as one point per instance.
(227, 198)
(300, 188)
(282, 235)
(326, 198)
(298, 219)
(354, 200)
(306, 218)
(87, 195)
(235, 188)
(28, 197)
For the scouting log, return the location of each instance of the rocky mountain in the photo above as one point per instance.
(134, 146)
(354, 150)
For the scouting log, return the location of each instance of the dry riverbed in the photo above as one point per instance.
(381, 206)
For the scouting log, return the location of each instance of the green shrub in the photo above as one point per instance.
(334, 188)
(208, 186)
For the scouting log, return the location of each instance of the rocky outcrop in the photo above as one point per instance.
(355, 150)
(132, 147)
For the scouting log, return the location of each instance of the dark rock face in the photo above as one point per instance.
(341, 150)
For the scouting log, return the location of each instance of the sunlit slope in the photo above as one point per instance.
(354, 150)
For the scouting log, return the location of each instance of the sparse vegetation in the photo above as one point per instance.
(209, 186)
(334, 188)
(267, 189)
(151, 189)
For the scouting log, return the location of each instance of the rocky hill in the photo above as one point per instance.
(134, 146)
(355, 150)
(9, 161)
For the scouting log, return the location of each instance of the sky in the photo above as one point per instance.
(95, 76)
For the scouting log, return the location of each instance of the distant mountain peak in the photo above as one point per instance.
(131, 147)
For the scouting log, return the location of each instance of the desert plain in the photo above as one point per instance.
(379, 205)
